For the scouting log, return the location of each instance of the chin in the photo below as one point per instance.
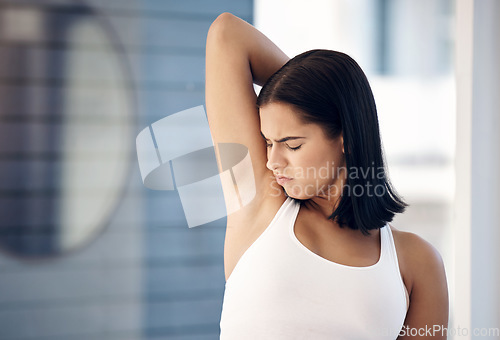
(297, 192)
(308, 190)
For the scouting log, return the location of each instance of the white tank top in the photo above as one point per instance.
(280, 289)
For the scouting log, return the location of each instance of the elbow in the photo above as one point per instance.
(220, 27)
(222, 21)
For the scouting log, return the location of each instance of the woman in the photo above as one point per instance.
(313, 256)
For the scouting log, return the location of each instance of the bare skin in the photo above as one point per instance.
(238, 55)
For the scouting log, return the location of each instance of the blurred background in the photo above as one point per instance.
(86, 251)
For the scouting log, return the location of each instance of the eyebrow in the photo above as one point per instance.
(281, 140)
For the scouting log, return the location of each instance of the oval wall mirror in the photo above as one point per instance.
(67, 128)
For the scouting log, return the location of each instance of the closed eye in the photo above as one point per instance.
(293, 149)
(269, 145)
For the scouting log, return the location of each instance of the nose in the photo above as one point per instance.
(275, 159)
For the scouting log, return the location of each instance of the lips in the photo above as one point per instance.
(282, 180)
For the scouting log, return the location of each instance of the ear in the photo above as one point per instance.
(342, 143)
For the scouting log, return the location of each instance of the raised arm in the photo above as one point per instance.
(238, 55)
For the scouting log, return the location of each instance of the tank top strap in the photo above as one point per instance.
(393, 256)
(385, 244)
(390, 246)
(286, 215)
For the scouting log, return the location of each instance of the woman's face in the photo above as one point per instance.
(304, 160)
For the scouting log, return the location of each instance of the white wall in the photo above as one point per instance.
(478, 166)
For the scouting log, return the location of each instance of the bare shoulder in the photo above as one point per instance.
(415, 245)
(419, 259)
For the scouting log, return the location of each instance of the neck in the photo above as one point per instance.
(329, 198)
